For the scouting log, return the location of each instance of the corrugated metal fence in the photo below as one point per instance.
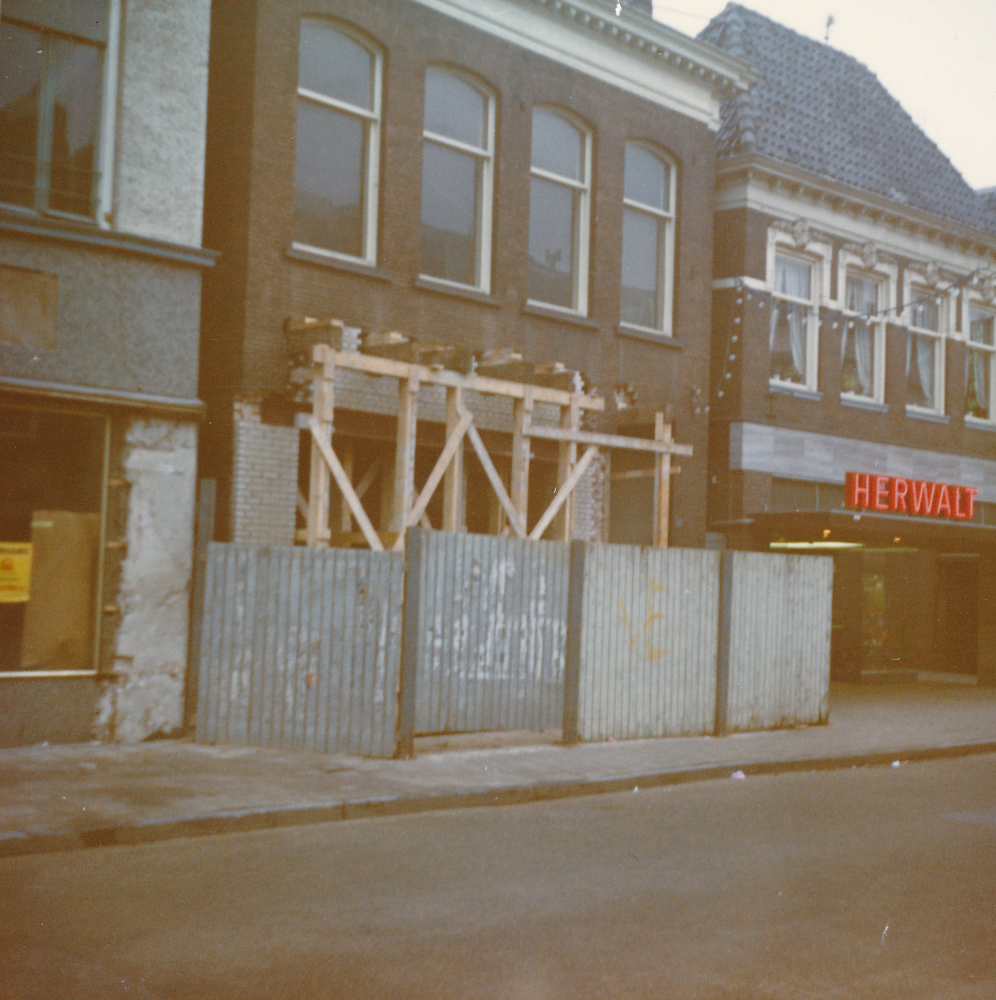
(648, 642)
(492, 624)
(774, 667)
(300, 648)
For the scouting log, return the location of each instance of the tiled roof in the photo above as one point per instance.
(822, 111)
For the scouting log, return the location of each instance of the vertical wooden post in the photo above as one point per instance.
(410, 638)
(521, 416)
(454, 479)
(404, 456)
(345, 515)
(570, 419)
(323, 410)
(572, 658)
(203, 536)
(662, 484)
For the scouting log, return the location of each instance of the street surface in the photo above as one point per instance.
(868, 883)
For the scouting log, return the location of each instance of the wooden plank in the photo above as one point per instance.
(610, 440)
(522, 415)
(518, 526)
(469, 383)
(662, 490)
(453, 444)
(323, 410)
(453, 483)
(404, 456)
(563, 493)
(345, 514)
(325, 452)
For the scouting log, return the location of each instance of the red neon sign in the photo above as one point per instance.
(896, 495)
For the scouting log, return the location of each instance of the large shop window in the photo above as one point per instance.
(924, 354)
(793, 322)
(338, 133)
(861, 343)
(51, 88)
(979, 368)
(51, 502)
(457, 157)
(559, 212)
(647, 240)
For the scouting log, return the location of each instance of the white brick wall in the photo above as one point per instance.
(589, 503)
(264, 480)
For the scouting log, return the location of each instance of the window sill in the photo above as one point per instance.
(979, 425)
(788, 389)
(75, 229)
(338, 263)
(428, 284)
(557, 313)
(919, 414)
(862, 403)
(647, 334)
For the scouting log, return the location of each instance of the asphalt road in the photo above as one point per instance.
(877, 883)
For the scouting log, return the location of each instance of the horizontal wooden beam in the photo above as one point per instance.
(473, 383)
(609, 440)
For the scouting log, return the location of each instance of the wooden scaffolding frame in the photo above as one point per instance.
(408, 510)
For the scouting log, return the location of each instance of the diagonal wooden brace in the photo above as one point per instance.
(342, 481)
(455, 441)
(496, 483)
(563, 493)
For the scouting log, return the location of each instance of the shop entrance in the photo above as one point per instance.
(957, 613)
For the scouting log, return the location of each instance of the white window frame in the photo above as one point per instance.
(975, 301)
(665, 275)
(916, 286)
(487, 158)
(887, 277)
(103, 194)
(819, 255)
(373, 118)
(584, 222)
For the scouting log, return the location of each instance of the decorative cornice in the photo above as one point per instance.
(647, 40)
(845, 199)
(703, 61)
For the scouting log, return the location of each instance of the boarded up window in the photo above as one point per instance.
(29, 303)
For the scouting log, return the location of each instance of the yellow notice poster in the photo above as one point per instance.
(15, 571)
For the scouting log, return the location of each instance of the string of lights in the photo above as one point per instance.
(764, 298)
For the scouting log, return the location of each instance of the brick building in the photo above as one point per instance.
(853, 331)
(103, 108)
(524, 178)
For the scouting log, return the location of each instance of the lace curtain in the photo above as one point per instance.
(923, 348)
(792, 277)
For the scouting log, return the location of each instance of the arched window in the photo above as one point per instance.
(338, 132)
(647, 240)
(559, 212)
(457, 170)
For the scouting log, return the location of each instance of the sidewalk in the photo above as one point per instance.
(89, 795)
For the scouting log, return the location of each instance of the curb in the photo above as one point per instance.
(253, 820)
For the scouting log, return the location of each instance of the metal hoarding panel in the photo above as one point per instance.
(492, 633)
(301, 648)
(779, 673)
(648, 642)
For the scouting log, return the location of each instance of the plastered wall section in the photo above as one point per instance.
(150, 655)
(162, 116)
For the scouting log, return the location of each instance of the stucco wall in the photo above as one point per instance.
(123, 322)
(150, 651)
(162, 115)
